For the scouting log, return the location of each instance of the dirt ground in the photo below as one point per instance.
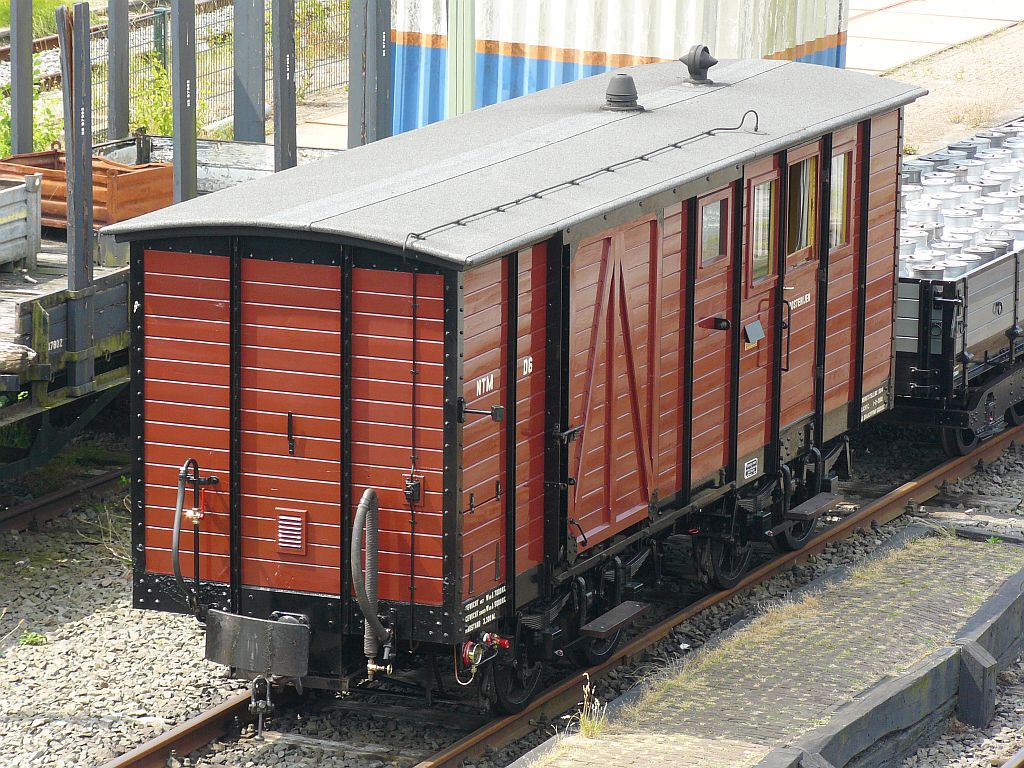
(975, 84)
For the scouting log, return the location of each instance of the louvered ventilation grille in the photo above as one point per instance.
(291, 533)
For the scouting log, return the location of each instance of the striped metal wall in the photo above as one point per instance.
(529, 45)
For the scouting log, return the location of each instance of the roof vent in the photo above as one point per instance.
(621, 94)
(699, 60)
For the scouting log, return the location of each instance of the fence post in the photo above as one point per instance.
(21, 76)
(183, 102)
(369, 87)
(250, 78)
(117, 69)
(76, 75)
(283, 45)
(160, 35)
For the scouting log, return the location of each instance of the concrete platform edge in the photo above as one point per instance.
(897, 540)
(887, 723)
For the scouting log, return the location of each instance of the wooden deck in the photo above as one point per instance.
(20, 288)
(33, 321)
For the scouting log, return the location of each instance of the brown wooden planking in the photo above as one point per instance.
(383, 461)
(176, 426)
(616, 287)
(485, 328)
(313, 473)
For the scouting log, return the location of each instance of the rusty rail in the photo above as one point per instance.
(564, 696)
(57, 503)
(185, 738)
(1016, 760)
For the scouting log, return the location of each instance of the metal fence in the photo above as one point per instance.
(321, 42)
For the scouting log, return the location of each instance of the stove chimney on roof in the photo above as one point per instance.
(699, 60)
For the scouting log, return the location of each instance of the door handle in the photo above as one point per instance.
(787, 324)
(291, 434)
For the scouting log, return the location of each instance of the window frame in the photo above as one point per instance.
(725, 195)
(845, 142)
(756, 285)
(809, 252)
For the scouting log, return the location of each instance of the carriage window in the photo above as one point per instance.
(714, 231)
(839, 203)
(803, 187)
(762, 228)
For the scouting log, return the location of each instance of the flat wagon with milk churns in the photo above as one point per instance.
(448, 393)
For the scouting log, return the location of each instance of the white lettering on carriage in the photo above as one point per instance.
(485, 384)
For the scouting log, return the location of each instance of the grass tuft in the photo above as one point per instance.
(32, 638)
(111, 531)
(592, 717)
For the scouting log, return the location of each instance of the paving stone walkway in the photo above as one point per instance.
(793, 667)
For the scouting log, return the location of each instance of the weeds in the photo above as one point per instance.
(592, 717)
(111, 532)
(32, 638)
(972, 115)
(15, 628)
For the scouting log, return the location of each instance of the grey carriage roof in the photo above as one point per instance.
(480, 185)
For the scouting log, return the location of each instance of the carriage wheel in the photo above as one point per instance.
(515, 683)
(592, 651)
(794, 538)
(721, 563)
(959, 442)
(1015, 414)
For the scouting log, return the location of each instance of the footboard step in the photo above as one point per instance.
(812, 508)
(609, 623)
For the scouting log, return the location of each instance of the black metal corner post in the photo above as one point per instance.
(369, 101)
(76, 71)
(510, 425)
(736, 319)
(250, 50)
(451, 536)
(773, 462)
(863, 206)
(183, 87)
(137, 309)
(824, 251)
(117, 69)
(235, 425)
(21, 76)
(689, 260)
(347, 615)
(556, 407)
(283, 45)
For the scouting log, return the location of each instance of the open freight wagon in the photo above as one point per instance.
(535, 340)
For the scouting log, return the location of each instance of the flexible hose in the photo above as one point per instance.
(366, 586)
(176, 534)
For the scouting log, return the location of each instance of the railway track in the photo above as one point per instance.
(1016, 760)
(57, 503)
(563, 696)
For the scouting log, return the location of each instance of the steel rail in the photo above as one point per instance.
(185, 738)
(57, 503)
(565, 695)
(1016, 760)
(550, 705)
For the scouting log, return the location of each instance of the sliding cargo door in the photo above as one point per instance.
(613, 372)
(290, 410)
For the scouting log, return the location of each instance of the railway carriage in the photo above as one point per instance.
(448, 393)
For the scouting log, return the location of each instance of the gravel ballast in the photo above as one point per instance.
(106, 676)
